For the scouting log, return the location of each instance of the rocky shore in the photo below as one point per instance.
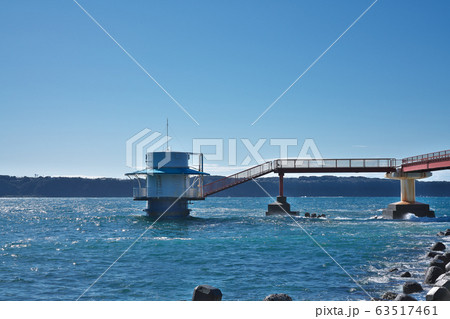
(436, 279)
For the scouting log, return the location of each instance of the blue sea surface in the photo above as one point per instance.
(55, 248)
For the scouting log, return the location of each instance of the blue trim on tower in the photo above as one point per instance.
(168, 170)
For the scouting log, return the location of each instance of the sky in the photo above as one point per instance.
(70, 97)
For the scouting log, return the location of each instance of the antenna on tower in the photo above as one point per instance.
(167, 134)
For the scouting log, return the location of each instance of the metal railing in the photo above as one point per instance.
(356, 163)
(238, 178)
(424, 158)
(195, 192)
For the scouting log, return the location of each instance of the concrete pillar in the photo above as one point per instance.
(281, 206)
(281, 184)
(408, 202)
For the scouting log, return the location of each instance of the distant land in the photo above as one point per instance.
(11, 186)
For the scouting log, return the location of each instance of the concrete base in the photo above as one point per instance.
(400, 209)
(280, 207)
(160, 206)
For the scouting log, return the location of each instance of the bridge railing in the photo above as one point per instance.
(335, 163)
(237, 178)
(430, 157)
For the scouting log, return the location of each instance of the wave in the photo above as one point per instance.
(414, 218)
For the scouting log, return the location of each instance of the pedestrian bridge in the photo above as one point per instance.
(408, 168)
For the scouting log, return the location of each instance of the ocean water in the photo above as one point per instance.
(55, 248)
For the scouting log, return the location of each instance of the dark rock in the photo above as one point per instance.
(411, 287)
(447, 256)
(438, 294)
(443, 257)
(443, 276)
(313, 215)
(432, 274)
(444, 282)
(433, 253)
(206, 293)
(278, 297)
(389, 295)
(323, 216)
(438, 246)
(437, 263)
(444, 233)
(307, 215)
(403, 297)
(393, 269)
(406, 274)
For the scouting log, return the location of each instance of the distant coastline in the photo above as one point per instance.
(11, 186)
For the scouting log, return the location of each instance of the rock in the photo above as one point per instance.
(278, 297)
(307, 215)
(206, 293)
(438, 294)
(433, 253)
(443, 276)
(406, 274)
(393, 269)
(438, 246)
(389, 295)
(447, 256)
(432, 274)
(323, 216)
(403, 297)
(443, 257)
(411, 287)
(444, 233)
(313, 215)
(437, 263)
(443, 282)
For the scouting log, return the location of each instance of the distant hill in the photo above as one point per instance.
(11, 186)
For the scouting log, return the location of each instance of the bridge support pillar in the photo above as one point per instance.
(408, 204)
(281, 206)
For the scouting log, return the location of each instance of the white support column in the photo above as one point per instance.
(408, 204)
(408, 184)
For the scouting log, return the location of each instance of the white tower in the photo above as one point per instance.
(170, 183)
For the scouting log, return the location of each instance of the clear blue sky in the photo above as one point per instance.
(70, 98)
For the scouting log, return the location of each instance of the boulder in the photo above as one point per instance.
(444, 233)
(433, 253)
(444, 282)
(437, 263)
(206, 293)
(403, 297)
(313, 215)
(432, 274)
(278, 297)
(389, 295)
(393, 269)
(443, 257)
(447, 256)
(438, 294)
(307, 215)
(406, 274)
(438, 246)
(443, 276)
(411, 287)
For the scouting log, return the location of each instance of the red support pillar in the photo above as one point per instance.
(281, 183)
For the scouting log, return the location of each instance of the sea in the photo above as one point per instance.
(108, 249)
